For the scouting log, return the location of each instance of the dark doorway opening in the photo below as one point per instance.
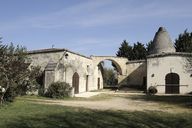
(172, 83)
(87, 79)
(98, 83)
(75, 82)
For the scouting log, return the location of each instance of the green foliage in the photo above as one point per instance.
(58, 90)
(125, 50)
(15, 76)
(149, 47)
(139, 51)
(135, 52)
(109, 77)
(184, 42)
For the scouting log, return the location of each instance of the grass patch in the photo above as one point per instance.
(93, 98)
(180, 100)
(23, 114)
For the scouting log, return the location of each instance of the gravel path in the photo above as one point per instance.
(116, 103)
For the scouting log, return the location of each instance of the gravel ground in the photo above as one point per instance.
(115, 103)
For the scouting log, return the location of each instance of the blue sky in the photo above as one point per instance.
(90, 27)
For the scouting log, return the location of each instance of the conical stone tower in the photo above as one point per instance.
(162, 43)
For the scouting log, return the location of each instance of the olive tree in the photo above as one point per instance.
(15, 75)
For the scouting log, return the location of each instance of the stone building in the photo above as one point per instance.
(164, 68)
(169, 71)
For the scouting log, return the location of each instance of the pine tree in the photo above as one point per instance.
(125, 50)
(184, 42)
(139, 51)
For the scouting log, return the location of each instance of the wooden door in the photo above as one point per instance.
(75, 82)
(172, 83)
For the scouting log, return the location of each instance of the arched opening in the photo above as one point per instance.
(172, 83)
(75, 82)
(109, 73)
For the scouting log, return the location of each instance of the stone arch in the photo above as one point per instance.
(119, 69)
(120, 62)
(172, 83)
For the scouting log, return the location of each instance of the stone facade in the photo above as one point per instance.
(164, 68)
(136, 73)
(159, 66)
(167, 70)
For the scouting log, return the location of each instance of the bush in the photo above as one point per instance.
(152, 90)
(58, 90)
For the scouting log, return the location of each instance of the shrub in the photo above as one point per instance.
(58, 90)
(152, 90)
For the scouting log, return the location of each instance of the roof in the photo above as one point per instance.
(162, 43)
(46, 50)
(136, 61)
(171, 54)
(52, 50)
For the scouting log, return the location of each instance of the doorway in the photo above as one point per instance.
(172, 83)
(75, 82)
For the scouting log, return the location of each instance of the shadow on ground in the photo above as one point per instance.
(181, 100)
(84, 118)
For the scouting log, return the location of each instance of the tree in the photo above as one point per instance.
(15, 76)
(149, 47)
(139, 51)
(184, 42)
(109, 77)
(125, 50)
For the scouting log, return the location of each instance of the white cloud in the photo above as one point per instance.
(104, 12)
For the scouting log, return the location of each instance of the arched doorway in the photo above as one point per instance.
(172, 83)
(75, 82)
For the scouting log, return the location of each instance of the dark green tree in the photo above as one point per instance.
(125, 50)
(139, 51)
(15, 76)
(184, 42)
(149, 47)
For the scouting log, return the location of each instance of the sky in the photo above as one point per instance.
(90, 27)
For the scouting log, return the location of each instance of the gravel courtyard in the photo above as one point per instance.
(115, 101)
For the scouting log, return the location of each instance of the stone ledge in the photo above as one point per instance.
(170, 54)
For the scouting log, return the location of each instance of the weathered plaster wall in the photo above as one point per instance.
(159, 67)
(136, 73)
(66, 67)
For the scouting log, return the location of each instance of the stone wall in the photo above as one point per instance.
(136, 73)
(159, 66)
(65, 67)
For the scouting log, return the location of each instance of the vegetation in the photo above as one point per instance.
(138, 51)
(135, 52)
(149, 47)
(125, 50)
(15, 76)
(109, 77)
(58, 90)
(24, 114)
(184, 42)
